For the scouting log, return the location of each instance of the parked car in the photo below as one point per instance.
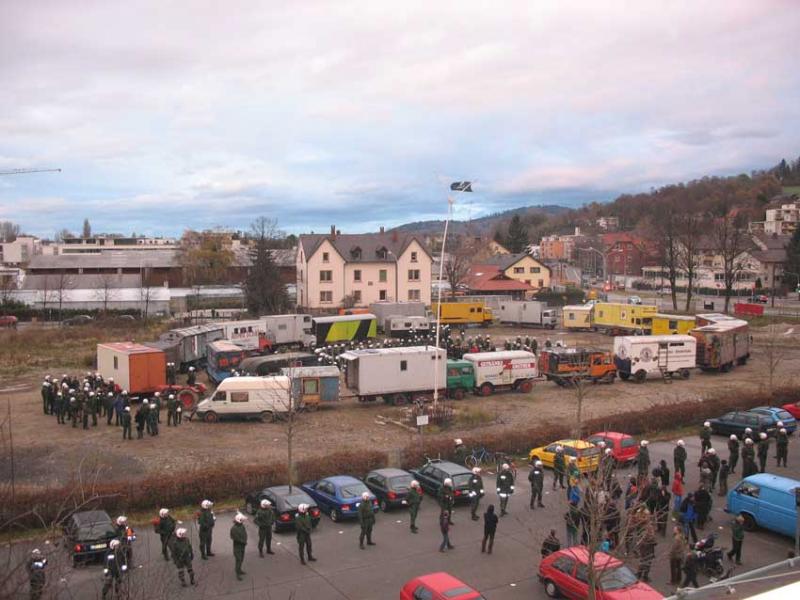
(87, 535)
(8, 321)
(339, 496)
(390, 486)
(77, 320)
(624, 448)
(792, 409)
(634, 300)
(438, 586)
(737, 421)
(759, 299)
(566, 573)
(431, 477)
(766, 501)
(778, 414)
(586, 453)
(284, 505)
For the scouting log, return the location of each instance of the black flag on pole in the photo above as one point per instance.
(461, 186)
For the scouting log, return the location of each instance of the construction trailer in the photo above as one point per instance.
(384, 311)
(288, 330)
(615, 318)
(515, 369)
(462, 313)
(722, 345)
(312, 386)
(530, 313)
(344, 328)
(399, 326)
(568, 365)
(397, 375)
(577, 317)
(664, 324)
(187, 346)
(139, 369)
(638, 357)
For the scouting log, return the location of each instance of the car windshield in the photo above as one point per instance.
(461, 480)
(590, 451)
(95, 531)
(782, 414)
(456, 592)
(354, 490)
(596, 439)
(295, 500)
(400, 482)
(616, 579)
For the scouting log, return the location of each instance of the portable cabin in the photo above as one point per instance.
(273, 363)
(722, 344)
(137, 368)
(222, 358)
(664, 324)
(312, 386)
(639, 356)
(344, 328)
(577, 317)
(615, 318)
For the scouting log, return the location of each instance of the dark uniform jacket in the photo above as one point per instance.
(206, 519)
(475, 486)
(182, 553)
(239, 534)
(366, 516)
(264, 518)
(302, 523)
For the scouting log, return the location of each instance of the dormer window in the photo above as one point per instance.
(355, 253)
(382, 253)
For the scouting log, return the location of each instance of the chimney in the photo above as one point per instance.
(382, 231)
(333, 230)
(338, 232)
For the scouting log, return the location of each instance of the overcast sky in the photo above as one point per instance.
(165, 115)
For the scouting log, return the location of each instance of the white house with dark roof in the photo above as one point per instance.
(363, 268)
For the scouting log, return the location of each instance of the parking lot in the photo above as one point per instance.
(345, 572)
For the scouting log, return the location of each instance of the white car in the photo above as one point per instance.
(634, 300)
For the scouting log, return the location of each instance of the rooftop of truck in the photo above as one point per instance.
(404, 350)
(129, 348)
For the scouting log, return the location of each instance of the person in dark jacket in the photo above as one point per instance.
(705, 437)
(141, 419)
(366, 519)
(782, 445)
(205, 528)
(763, 451)
(239, 538)
(724, 470)
(444, 527)
(165, 528)
(643, 460)
(690, 570)
(679, 458)
(414, 499)
(126, 424)
(663, 472)
(662, 509)
(505, 486)
(489, 528)
(182, 556)
(263, 520)
(748, 459)
(714, 464)
(304, 525)
(559, 467)
(475, 492)
(115, 568)
(536, 479)
(36, 576)
(702, 504)
(733, 452)
(550, 544)
(737, 537)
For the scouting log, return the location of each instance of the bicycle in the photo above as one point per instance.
(502, 457)
(477, 457)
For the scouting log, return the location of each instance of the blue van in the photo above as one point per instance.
(766, 501)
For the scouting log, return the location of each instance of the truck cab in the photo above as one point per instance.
(460, 378)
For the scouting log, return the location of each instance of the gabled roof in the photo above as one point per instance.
(394, 242)
(504, 261)
(490, 278)
(766, 241)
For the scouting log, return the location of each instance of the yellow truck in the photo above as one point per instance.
(577, 317)
(618, 319)
(463, 313)
(672, 324)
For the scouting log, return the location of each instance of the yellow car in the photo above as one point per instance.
(586, 453)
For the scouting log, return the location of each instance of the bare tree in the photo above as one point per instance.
(664, 230)
(105, 289)
(63, 283)
(46, 292)
(774, 352)
(730, 242)
(146, 291)
(691, 227)
(457, 262)
(8, 231)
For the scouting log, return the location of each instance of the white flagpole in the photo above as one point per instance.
(439, 305)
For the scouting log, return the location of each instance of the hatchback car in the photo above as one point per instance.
(737, 421)
(586, 454)
(778, 414)
(793, 409)
(624, 448)
(566, 573)
(431, 477)
(284, 505)
(87, 535)
(339, 496)
(390, 486)
(438, 586)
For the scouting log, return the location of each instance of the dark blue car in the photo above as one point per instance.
(339, 496)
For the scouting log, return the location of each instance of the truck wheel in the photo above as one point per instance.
(487, 389)
(640, 376)
(458, 394)
(210, 417)
(685, 373)
(526, 387)
(624, 376)
(267, 417)
(399, 400)
(742, 360)
(188, 399)
(749, 522)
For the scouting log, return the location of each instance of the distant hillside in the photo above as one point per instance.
(482, 225)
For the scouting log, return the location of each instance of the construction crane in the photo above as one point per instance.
(22, 171)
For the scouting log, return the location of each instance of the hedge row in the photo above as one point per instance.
(235, 481)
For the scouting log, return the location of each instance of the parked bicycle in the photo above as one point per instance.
(478, 457)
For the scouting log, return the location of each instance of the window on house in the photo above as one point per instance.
(326, 276)
(535, 270)
(326, 296)
(382, 253)
(326, 257)
(382, 275)
(413, 295)
(357, 296)
(541, 283)
(357, 275)
(519, 269)
(413, 257)
(413, 274)
(355, 253)
(404, 365)
(382, 295)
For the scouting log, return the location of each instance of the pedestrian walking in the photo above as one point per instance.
(550, 544)
(536, 479)
(679, 458)
(115, 568)
(165, 528)
(489, 528)
(366, 519)
(505, 487)
(737, 538)
(414, 499)
(36, 575)
(444, 527)
(303, 527)
(446, 497)
(733, 452)
(763, 451)
(239, 538)
(182, 556)
(782, 445)
(475, 492)
(677, 552)
(205, 526)
(126, 424)
(705, 437)
(688, 517)
(724, 471)
(263, 520)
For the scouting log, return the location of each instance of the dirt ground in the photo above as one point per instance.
(45, 452)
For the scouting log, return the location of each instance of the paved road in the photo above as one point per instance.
(343, 571)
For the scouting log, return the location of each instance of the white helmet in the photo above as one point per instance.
(45, 384)
(122, 520)
(180, 532)
(114, 544)
(110, 394)
(206, 504)
(538, 463)
(127, 409)
(302, 508)
(779, 423)
(265, 503)
(415, 484)
(476, 470)
(643, 443)
(110, 380)
(365, 496)
(145, 403)
(681, 443)
(171, 397)
(157, 394)
(747, 430)
(749, 442)
(506, 467)
(559, 449)
(124, 392)
(707, 424)
(163, 512)
(448, 481)
(191, 368)
(36, 552)
(239, 518)
(733, 437)
(91, 394)
(782, 430)
(608, 451)
(712, 451)
(458, 441)
(762, 435)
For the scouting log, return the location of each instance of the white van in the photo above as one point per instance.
(247, 398)
(515, 369)
(637, 356)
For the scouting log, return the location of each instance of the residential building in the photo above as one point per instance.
(560, 247)
(608, 223)
(338, 269)
(107, 243)
(626, 254)
(522, 267)
(781, 217)
(490, 280)
(20, 251)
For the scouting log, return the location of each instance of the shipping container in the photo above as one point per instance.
(139, 369)
(722, 345)
(249, 335)
(515, 369)
(577, 317)
(640, 356)
(312, 386)
(527, 312)
(384, 310)
(397, 375)
(615, 318)
(664, 324)
(462, 313)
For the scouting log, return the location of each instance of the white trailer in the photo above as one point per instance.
(527, 312)
(400, 326)
(247, 398)
(515, 369)
(288, 330)
(247, 335)
(398, 375)
(639, 356)
(384, 311)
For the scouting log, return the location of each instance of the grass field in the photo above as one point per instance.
(791, 189)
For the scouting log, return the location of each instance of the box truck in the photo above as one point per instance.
(261, 398)
(462, 313)
(515, 369)
(640, 356)
(383, 311)
(577, 317)
(288, 330)
(615, 318)
(399, 326)
(397, 375)
(527, 312)
(722, 345)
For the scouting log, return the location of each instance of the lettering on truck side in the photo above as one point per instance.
(506, 364)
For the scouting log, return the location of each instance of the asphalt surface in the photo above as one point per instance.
(343, 571)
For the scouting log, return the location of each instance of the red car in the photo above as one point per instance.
(438, 586)
(623, 447)
(792, 409)
(565, 573)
